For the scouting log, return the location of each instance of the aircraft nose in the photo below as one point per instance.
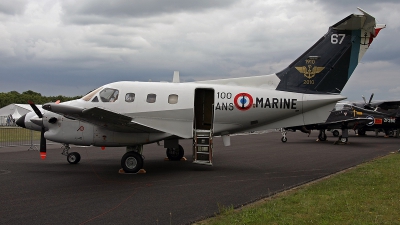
(21, 121)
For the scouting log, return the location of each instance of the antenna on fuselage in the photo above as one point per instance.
(175, 79)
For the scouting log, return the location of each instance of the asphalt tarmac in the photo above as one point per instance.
(51, 191)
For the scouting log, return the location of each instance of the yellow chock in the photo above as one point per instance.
(183, 159)
(141, 171)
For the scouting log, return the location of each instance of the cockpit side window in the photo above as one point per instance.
(109, 95)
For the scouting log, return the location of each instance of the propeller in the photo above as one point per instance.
(42, 139)
(368, 105)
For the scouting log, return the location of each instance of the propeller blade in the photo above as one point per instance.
(370, 99)
(42, 144)
(42, 139)
(364, 99)
(35, 109)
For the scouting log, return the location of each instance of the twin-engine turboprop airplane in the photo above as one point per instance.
(133, 114)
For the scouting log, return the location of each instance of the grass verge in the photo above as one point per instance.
(366, 194)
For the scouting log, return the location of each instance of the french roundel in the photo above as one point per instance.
(372, 121)
(243, 101)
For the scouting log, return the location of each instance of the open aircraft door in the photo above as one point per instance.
(203, 126)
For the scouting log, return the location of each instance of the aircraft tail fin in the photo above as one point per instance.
(329, 63)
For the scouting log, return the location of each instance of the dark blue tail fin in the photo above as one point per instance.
(329, 63)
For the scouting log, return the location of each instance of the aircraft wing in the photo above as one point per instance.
(101, 117)
(350, 122)
(387, 105)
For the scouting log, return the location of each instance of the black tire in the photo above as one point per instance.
(175, 154)
(343, 140)
(132, 162)
(322, 137)
(73, 157)
(284, 139)
(335, 133)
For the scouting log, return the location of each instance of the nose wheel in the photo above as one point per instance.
(73, 157)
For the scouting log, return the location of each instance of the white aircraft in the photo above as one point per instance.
(133, 114)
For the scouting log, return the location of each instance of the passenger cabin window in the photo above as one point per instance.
(151, 98)
(109, 95)
(130, 97)
(95, 99)
(173, 99)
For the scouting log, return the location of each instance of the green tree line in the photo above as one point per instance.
(24, 97)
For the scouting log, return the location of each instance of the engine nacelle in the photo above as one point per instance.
(63, 130)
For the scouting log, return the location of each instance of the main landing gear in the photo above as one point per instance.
(283, 132)
(335, 133)
(321, 135)
(344, 138)
(175, 154)
(133, 160)
(73, 157)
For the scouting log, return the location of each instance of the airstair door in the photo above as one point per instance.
(203, 126)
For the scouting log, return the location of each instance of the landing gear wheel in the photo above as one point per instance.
(175, 154)
(343, 139)
(284, 139)
(322, 137)
(73, 157)
(132, 162)
(335, 133)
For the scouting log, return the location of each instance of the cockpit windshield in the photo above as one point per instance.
(342, 106)
(91, 94)
(105, 95)
(109, 95)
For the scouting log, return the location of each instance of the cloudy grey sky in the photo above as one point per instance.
(71, 47)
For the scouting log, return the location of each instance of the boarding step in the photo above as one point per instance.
(202, 147)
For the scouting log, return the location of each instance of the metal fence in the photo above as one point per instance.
(11, 136)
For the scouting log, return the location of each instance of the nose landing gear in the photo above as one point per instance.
(73, 157)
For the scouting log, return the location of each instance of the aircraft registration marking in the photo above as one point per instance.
(389, 120)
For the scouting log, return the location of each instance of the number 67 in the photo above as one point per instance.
(335, 38)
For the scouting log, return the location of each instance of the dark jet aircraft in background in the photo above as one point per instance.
(360, 117)
(389, 124)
